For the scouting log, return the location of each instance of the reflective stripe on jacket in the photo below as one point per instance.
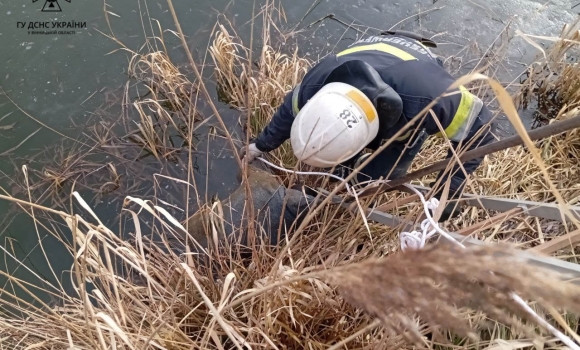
(413, 72)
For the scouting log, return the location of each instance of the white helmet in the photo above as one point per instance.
(333, 126)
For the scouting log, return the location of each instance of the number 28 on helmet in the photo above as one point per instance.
(333, 126)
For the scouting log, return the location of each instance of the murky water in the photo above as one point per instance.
(67, 82)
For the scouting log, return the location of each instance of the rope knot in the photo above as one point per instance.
(411, 240)
(433, 204)
(417, 239)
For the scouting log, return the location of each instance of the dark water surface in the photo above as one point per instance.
(69, 82)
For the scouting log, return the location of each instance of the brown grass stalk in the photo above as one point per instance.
(333, 277)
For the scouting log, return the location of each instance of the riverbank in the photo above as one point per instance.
(131, 291)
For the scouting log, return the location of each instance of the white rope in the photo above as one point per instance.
(429, 227)
(300, 172)
(416, 240)
(319, 173)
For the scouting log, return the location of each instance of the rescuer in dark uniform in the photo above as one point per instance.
(397, 73)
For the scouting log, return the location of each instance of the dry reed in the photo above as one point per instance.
(166, 110)
(435, 283)
(322, 290)
(513, 173)
(134, 294)
(261, 89)
(552, 81)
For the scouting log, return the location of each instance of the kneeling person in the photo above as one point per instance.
(362, 97)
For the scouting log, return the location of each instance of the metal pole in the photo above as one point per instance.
(516, 140)
(569, 271)
(550, 211)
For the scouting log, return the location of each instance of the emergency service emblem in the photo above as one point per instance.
(51, 5)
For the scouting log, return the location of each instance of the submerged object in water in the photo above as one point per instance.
(271, 202)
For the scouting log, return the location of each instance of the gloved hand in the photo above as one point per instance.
(452, 208)
(253, 152)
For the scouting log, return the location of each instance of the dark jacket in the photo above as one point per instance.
(415, 74)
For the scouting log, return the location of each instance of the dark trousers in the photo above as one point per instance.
(393, 162)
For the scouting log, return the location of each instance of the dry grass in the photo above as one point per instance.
(161, 122)
(553, 83)
(257, 87)
(437, 283)
(513, 173)
(326, 287)
(166, 111)
(553, 80)
(49, 175)
(134, 294)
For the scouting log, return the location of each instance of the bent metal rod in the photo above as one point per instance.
(516, 140)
